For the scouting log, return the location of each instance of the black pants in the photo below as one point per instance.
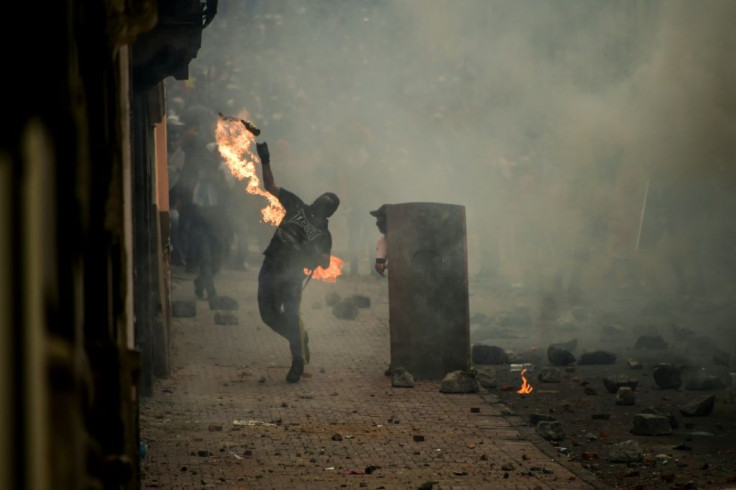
(279, 298)
(207, 246)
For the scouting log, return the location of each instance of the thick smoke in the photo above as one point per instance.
(580, 136)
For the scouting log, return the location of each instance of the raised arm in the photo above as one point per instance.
(268, 183)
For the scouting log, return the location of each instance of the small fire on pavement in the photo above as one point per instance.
(526, 388)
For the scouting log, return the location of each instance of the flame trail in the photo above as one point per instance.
(235, 143)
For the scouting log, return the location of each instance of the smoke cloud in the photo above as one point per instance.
(576, 134)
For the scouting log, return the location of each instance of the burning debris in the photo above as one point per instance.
(526, 388)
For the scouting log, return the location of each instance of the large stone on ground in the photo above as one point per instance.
(664, 412)
(700, 407)
(401, 378)
(647, 424)
(550, 430)
(625, 396)
(459, 382)
(626, 452)
(487, 377)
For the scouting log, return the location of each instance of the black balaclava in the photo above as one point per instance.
(325, 205)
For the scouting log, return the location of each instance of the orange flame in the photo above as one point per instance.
(330, 274)
(235, 145)
(526, 388)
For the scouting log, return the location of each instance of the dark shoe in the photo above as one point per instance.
(297, 368)
(305, 341)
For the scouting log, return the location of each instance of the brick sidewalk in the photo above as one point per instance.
(226, 418)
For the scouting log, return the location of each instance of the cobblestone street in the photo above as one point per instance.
(226, 417)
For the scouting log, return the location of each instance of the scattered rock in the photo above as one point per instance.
(626, 452)
(647, 424)
(487, 377)
(663, 413)
(459, 382)
(401, 378)
(550, 430)
(625, 396)
(700, 407)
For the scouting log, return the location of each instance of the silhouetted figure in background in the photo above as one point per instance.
(381, 260)
(208, 228)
